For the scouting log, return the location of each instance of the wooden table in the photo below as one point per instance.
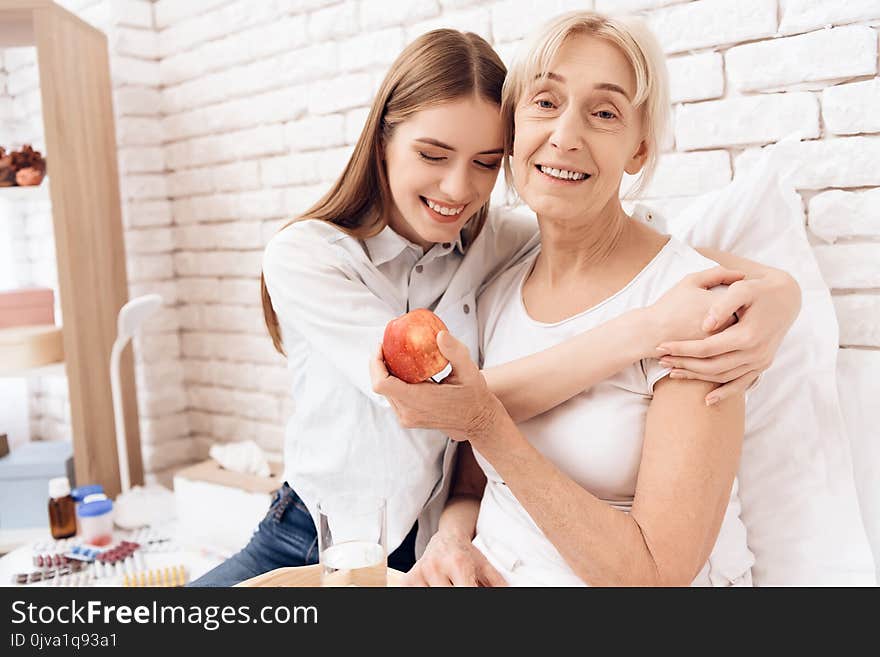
(304, 576)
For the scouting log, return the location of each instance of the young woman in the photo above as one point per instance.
(407, 225)
(631, 482)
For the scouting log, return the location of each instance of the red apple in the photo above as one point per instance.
(409, 346)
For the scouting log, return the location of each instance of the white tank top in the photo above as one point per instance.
(596, 437)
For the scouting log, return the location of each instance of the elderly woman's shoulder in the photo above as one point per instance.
(683, 255)
(676, 260)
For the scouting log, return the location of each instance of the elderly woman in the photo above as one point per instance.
(632, 482)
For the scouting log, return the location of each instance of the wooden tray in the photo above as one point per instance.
(306, 576)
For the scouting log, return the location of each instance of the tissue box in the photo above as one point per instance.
(218, 509)
(27, 307)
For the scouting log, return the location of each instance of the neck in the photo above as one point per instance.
(399, 226)
(571, 249)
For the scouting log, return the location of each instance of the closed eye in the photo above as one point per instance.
(487, 165)
(427, 157)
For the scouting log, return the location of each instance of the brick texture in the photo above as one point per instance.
(233, 117)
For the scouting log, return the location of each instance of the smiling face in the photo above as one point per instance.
(442, 163)
(576, 132)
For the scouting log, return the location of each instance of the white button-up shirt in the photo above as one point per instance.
(333, 295)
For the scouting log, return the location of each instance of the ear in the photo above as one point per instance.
(637, 161)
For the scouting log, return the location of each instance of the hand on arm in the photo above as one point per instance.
(451, 558)
(766, 302)
(575, 365)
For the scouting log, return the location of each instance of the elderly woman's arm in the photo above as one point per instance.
(689, 459)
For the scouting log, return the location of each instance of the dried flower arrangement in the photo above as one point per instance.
(25, 167)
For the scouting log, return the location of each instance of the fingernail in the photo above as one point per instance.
(709, 323)
(665, 363)
(711, 401)
(663, 350)
(675, 375)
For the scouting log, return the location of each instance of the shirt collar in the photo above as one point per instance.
(387, 245)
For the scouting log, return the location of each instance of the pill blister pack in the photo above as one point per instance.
(153, 539)
(81, 565)
(146, 557)
(52, 547)
(165, 577)
(53, 570)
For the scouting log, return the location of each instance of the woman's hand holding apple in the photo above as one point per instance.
(461, 405)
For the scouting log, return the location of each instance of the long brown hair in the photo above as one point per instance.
(438, 67)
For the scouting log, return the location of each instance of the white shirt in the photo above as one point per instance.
(333, 295)
(596, 437)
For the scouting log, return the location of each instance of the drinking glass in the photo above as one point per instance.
(352, 546)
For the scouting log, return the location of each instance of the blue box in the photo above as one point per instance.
(24, 481)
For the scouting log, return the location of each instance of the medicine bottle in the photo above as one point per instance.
(62, 513)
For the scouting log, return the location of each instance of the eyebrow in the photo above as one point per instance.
(606, 86)
(440, 144)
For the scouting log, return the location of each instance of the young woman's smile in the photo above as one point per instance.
(445, 213)
(442, 163)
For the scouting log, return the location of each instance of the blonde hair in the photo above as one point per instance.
(438, 67)
(637, 44)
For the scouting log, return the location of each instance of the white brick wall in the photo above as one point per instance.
(696, 77)
(834, 54)
(852, 108)
(234, 116)
(804, 15)
(706, 23)
(838, 214)
(746, 120)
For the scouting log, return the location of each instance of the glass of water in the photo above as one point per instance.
(352, 546)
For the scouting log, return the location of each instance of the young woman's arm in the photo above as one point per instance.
(766, 302)
(451, 558)
(319, 298)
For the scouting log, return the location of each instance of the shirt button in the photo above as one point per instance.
(466, 309)
(419, 269)
(446, 245)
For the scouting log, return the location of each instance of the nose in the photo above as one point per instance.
(457, 184)
(567, 134)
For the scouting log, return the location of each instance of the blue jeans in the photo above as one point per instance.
(287, 537)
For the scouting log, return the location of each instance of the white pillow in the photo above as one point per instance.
(799, 502)
(862, 415)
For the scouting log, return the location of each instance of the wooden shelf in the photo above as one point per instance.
(33, 193)
(52, 369)
(79, 133)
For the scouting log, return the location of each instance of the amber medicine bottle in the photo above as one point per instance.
(62, 512)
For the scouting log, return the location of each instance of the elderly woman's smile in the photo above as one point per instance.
(560, 173)
(577, 131)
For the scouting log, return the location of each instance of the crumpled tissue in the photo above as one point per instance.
(245, 457)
